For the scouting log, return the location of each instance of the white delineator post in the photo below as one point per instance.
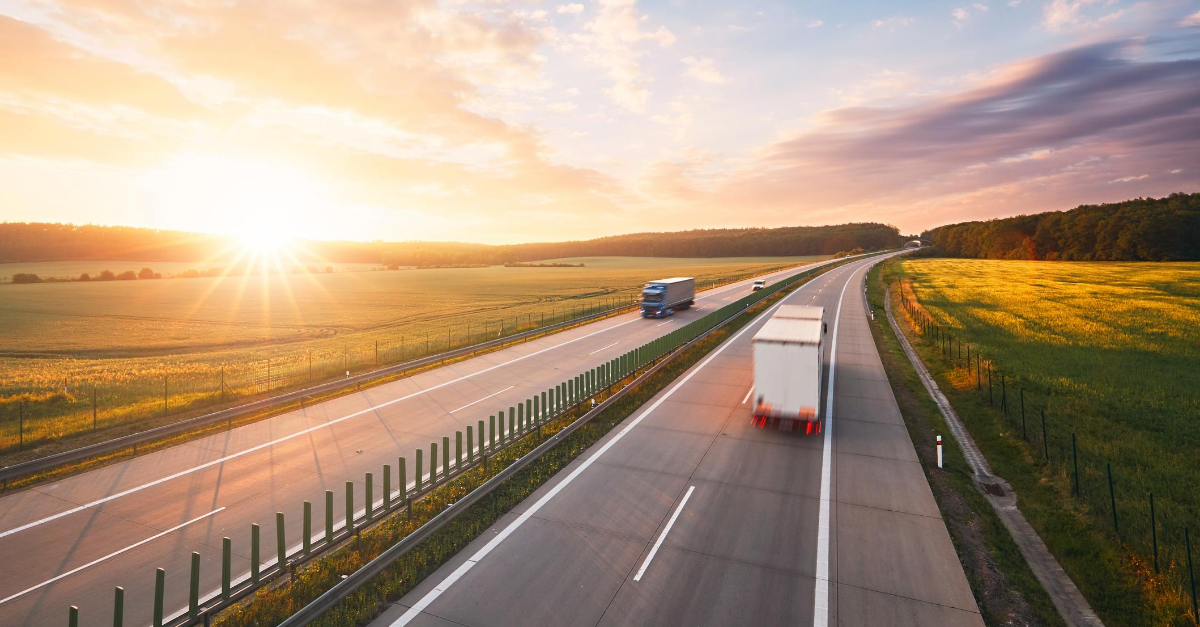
(939, 444)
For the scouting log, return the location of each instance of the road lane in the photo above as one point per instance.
(745, 548)
(259, 469)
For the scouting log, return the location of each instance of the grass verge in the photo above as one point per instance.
(1007, 591)
(1117, 584)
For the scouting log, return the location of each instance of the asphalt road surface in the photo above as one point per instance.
(72, 541)
(688, 515)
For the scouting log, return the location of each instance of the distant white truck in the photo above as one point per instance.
(788, 369)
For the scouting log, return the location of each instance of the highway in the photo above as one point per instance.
(686, 514)
(71, 541)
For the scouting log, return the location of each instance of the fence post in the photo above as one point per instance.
(403, 470)
(160, 584)
(1153, 533)
(1112, 498)
(482, 444)
(432, 463)
(328, 518)
(1075, 463)
(226, 567)
(254, 560)
(93, 408)
(1045, 442)
(369, 497)
(73, 616)
(470, 444)
(21, 425)
(349, 507)
(194, 587)
(1023, 433)
(306, 528)
(512, 423)
(387, 487)
(458, 443)
(119, 607)
(990, 399)
(1187, 541)
(164, 396)
(280, 542)
(445, 457)
(491, 433)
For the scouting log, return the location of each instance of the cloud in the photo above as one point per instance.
(613, 41)
(702, 69)
(1067, 15)
(815, 23)
(1126, 179)
(1191, 20)
(573, 9)
(892, 23)
(561, 108)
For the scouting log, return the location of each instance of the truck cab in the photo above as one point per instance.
(759, 284)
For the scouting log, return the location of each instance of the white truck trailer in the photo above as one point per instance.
(788, 371)
(664, 297)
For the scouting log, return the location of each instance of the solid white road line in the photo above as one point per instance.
(109, 556)
(821, 591)
(662, 536)
(748, 393)
(449, 581)
(602, 349)
(484, 398)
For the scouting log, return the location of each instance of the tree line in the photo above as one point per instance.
(33, 242)
(1142, 229)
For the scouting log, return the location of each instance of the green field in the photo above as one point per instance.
(129, 338)
(1111, 351)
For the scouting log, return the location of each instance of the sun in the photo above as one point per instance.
(264, 241)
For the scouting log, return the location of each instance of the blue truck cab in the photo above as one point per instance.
(664, 297)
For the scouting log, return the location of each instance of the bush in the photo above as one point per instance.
(147, 273)
(127, 275)
(107, 275)
(85, 277)
(24, 277)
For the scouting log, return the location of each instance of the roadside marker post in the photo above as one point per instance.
(939, 451)
(254, 561)
(73, 616)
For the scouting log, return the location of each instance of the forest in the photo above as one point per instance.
(1142, 229)
(28, 242)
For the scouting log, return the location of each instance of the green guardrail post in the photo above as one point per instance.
(541, 410)
(491, 433)
(403, 478)
(512, 423)
(420, 468)
(306, 528)
(73, 616)
(328, 517)
(470, 444)
(369, 497)
(280, 542)
(520, 417)
(458, 443)
(160, 588)
(387, 487)
(432, 463)
(349, 507)
(254, 561)
(445, 457)
(482, 445)
(529, 412)
(119, 607)
(194, 587)
(226, 567)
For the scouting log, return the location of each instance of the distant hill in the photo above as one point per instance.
(1143, 229)
(27, 242)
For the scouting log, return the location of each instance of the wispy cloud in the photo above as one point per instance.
(703, 70)
(574, 8)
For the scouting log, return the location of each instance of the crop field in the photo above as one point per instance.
(1111, 352)
(151, 347)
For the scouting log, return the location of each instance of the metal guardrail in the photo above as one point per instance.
(363, 575)
(14, 471)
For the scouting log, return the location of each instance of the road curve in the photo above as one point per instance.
(75, 539)
(686, 514)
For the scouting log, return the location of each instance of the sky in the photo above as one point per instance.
(503, 122)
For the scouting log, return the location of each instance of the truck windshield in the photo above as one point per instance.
(652, 297)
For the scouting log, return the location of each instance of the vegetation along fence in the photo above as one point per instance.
(32, 417)
(439, 479)
(1115, 494)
